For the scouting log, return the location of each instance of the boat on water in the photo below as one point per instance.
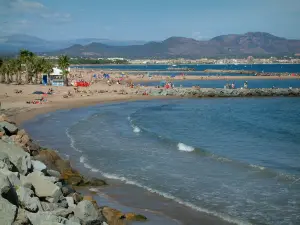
(181, 69)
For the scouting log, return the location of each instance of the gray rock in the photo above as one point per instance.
(62, 202)
(47, 218)
(86, 211)
(49, 206)
(38, 165)
(74, 219)
(5, 162)
(27, 200)
(67, 190)
(54, 173)
(70, 201)
(17, 156)
(13, 129)
(59, 184)
(41, 218)
(13, 177)
(62, 212)
(52, 179)
(42, 186)
(76, 197)
(21, 218)
(8, 210)
(24, 182)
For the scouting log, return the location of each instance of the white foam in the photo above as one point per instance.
(136, 129)
(94, 170)
(93, 189)
(257, 167)
(82, 159)
(185, 148)
(178, 200)
(72, 141)
(88, 166)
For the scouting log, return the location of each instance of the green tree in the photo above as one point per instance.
(63, 64)
(27, 60)
(17, 69)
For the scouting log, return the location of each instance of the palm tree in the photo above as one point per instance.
(17, 69)
(2, 71)
(27, 58)
(63, 64)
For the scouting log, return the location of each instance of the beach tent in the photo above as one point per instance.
(173, 75)
(106, 76)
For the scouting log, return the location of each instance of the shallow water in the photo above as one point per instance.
(236, 158)
(290, 68)
(238, 83)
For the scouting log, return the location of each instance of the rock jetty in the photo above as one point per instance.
(37, 187)
(230, 71)
(220, 92)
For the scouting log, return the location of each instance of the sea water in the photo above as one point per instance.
(294, 83)
(237, 159)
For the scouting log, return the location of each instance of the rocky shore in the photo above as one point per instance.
(230, 71)
(38, 187)
(220, 92)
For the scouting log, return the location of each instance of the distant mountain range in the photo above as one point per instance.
(13, 43)
(251, 43)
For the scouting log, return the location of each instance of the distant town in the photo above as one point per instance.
(248, 60)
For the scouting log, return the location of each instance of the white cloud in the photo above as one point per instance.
(57, 17)
(20, 6)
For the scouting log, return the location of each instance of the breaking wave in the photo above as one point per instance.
(72, 141)
(178, 200)
(185, 148)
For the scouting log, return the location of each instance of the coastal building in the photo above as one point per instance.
(55, 78)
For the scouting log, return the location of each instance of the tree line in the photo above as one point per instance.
(28, 68)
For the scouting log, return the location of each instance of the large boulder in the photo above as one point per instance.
(13, 177)
(42, 218)
(39, 166)
(27, 200)
(53, 173)
(17, 156)
(62, 212)
(70, 202)
(21, 218)
(8, 128)
(8, 210)
(42, 186)
(5, 162)
(76, 197)
(3, 118)
(48, 206)
(86, 211)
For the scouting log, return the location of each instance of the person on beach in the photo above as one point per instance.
(246, 84)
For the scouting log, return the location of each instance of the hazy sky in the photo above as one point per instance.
(148, 19)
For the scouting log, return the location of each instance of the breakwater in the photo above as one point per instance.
(230, 71)
(220, 92)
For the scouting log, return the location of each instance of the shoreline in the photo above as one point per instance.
(130, 198)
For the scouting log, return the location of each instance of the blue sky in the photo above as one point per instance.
(147, 19)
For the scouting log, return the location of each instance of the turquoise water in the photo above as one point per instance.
(291, 68)
(238, 83)
(237, 159)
